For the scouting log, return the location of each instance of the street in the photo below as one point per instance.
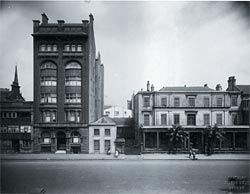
(131, 176)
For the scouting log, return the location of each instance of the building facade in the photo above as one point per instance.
(193, 108)
(15, 120)
(117, 112)
(68, 85)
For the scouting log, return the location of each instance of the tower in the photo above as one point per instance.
(65, 86)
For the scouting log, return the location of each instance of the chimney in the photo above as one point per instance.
(152, 88)
(35, 25)
(205, 85)
(45, 19)
(91, 18)
(231, 83)
(148, 86)
(218, 87)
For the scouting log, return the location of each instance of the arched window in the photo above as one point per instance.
(48, 78)
(48, 65)
(73, 79)
(73, 65)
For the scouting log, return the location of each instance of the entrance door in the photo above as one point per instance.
(61, 141)
(150, 140)
(15, 145)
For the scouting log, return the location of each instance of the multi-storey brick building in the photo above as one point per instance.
(68, 85)
(15, 120)
(194, 108)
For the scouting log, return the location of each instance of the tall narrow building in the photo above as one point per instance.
(68, 93)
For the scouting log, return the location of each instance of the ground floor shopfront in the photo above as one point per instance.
(58, 138)
(156, 139)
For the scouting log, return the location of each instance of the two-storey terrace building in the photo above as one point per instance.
(193, 108)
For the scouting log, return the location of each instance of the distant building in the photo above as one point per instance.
(110, 133)
(194, 108)
(117, 112)
(16, 120)
(68, 85)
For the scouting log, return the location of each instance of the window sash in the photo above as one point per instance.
(206, 118)
(176, 119)
(146, 120)
(163, 119)
(176, 101)
(146, 101)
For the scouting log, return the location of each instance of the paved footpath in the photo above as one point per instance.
(122, 157)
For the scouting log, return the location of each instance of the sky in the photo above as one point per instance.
(168, 43)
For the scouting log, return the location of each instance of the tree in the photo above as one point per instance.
(177, 135)
(211, 134)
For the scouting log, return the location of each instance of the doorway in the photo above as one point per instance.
(61, 141)
(15, 145)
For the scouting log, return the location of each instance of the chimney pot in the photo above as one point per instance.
(148, 86)
(152, 88)
(45, 19)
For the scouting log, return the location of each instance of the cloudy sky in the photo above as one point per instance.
(167, 43)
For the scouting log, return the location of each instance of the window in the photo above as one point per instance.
(13, 129)
(72, 48)
(176, 119)
(79, 48)
(26, 144)
(191, 119)
(47, 47)
(234, 119)
(107, 145)
(107, 113)
(9, 115)
(48, 81)
(219, 119)
(219, 102)
(48, 98)
(67, 47)
(54, 47)
(146, 102)
(146, 120)
(45, 137)
(176, 101)
(116, 113)
(25, 129)
(96, 145)
(107, 132)
(96, 132)
(75, 137)
(72, 115)
(163, 119)
(73, 81)
(73, 98)
(48, 65)
(42, 47)
(191, 101)
(49, 116)
(206, 119)
(206, 101)
(163, 101)
(234, 100)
